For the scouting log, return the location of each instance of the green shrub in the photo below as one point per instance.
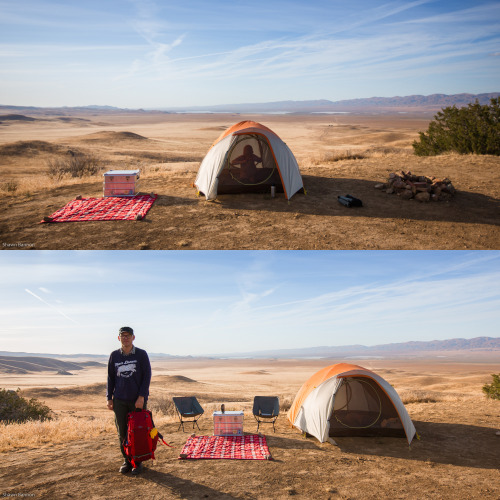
(14, 408)
(472, 129)
(492, 390)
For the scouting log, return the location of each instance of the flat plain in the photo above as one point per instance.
(337, 155)
(76, 454)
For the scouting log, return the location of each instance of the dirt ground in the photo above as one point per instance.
(456, 457)
(337, 155)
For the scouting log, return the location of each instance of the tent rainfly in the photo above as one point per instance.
(349, 400)
(248, 157)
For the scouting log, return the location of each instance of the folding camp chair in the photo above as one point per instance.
(266, 410)
(188, 407)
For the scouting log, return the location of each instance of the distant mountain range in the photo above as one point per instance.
(26, 362)
(407, 103)
(487, 344)
(414, 103)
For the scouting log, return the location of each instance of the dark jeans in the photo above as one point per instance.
(122, 409)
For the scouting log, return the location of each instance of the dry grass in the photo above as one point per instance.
(35, 184)
(60, 430)
(408, 397)
(56, 177)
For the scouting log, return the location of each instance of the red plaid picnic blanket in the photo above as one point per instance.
(248, 447)
(109, 208)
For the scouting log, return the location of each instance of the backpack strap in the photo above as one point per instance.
(155, 431)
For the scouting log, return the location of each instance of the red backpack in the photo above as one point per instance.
(142, 437)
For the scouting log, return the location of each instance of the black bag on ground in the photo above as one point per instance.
(349, 201)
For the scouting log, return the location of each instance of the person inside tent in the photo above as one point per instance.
(247, 162)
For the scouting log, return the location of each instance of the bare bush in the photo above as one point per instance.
(77, 165)
(162, 404)
(285, 403)
(333, 157)
(408, 397)
(10, 186)
(343, 155)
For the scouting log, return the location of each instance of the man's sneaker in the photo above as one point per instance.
(137, 469)
(126, 467)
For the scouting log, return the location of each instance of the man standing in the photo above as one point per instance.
(129, 376)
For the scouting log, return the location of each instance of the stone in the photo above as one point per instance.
(423, 196)
(450, 189)
(406, 194)
(380, 186)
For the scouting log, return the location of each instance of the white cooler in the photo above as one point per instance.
(121, 182)
(229, 423)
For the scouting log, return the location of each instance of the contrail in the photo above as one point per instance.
(50, 305)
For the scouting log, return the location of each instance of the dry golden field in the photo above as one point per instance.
(337, 155)
(76, 455)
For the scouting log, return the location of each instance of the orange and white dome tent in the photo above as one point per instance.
(248, 157)
(349, 400)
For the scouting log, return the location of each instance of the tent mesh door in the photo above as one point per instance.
(362, 408)
(246, 173)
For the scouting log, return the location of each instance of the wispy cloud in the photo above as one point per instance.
(326, 48)
(439, 302)
(50, 305)
(362, 47)
(151, 28)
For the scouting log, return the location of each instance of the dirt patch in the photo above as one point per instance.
(54, 392)
(69, 119)
(256, 372)
(106, 136)
(29, 148)
(175, 378)
(13, 117)
(220, 128)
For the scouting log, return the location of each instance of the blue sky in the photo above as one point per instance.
(181, 302)
(154, 54)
